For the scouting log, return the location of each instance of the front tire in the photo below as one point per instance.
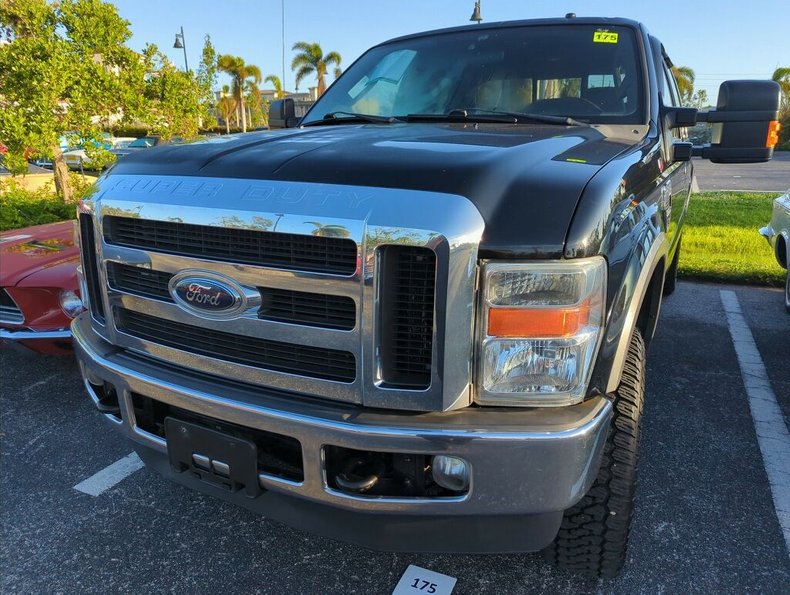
(787, 290)
(593, 537)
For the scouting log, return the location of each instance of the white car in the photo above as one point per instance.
(77, 159)
(777, 232)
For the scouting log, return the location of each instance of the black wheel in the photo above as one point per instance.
(593, 537)
(787, 290)
(671, 278)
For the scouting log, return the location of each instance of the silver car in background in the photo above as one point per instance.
(777, 232)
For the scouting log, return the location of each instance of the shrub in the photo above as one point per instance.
(135, 131)
(784, 133)
(20, 207)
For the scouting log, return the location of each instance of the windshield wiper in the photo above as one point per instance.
(481, 115)
(351, 117)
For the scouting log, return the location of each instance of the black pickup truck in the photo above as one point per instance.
(416, 318)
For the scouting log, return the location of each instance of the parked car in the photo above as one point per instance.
(39, 291)
(139, 144)
(777, 232)
(77, 158)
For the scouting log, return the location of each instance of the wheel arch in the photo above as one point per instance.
(782, 249)
(644, 306)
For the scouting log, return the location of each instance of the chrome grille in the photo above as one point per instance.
(9, 311)
(350, 289)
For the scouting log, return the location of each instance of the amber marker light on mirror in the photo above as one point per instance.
(773, 134)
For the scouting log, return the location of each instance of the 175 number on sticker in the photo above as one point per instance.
(420, 581)
(605, 37)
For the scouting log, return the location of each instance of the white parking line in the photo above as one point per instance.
(110, 476)
(772, 434)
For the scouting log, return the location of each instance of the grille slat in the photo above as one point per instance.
(243, 246)
(315, 362)
(91, 266)
(408, 279)
(9, 311)
(139, 281)
(280, 305)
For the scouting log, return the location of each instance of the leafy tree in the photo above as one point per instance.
(277, 84)
(65, 68)
(255, 105)
(782, 76)
(240, 72)
(310, 59)
(684, 76)
(207, 75)
(700, 99)
(226, 106)
(175, 97)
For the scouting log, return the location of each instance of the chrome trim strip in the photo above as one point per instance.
(246, 275)
(9, 335)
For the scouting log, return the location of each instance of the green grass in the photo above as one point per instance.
(721, 242)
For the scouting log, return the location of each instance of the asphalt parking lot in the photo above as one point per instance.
(705, 521)
(772, 176)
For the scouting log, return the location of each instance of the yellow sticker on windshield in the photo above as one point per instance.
(605, 37)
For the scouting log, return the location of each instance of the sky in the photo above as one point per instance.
(720, 40)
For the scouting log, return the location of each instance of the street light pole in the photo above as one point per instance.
(182, 44)
(282, 3)
(476, 14)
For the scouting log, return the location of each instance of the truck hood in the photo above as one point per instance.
(24, 252)
(525, 180)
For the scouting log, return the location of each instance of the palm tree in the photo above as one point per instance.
(684, 77)
(254, 102)
(240, 72)
(226, 106)
(311, 59)
(277, 84)
(782, 76)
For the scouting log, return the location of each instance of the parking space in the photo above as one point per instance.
(772, 176)
(706, 519)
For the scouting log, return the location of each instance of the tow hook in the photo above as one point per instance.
(359, 475)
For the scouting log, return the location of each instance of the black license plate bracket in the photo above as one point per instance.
(217, 458)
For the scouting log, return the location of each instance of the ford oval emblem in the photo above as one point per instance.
(207, 294)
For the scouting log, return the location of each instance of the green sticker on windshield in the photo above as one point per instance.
(605, 37)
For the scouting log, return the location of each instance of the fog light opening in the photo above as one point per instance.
(452, 473)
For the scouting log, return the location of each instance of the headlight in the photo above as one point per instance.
(70, 303)
(541, 324)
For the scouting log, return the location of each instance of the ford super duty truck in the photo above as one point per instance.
(416, 318)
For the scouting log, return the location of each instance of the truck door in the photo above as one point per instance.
(675, 182)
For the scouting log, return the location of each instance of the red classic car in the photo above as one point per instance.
(39, 290)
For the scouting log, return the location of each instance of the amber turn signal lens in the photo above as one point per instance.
(537, 322)
(773, 134)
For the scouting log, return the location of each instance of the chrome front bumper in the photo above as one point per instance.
(527, 465)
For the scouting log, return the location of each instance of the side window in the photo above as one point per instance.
(670, 97)
(670, 87)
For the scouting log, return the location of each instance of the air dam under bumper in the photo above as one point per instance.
(527, 465)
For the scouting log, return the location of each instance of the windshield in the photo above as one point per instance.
(586, 72)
